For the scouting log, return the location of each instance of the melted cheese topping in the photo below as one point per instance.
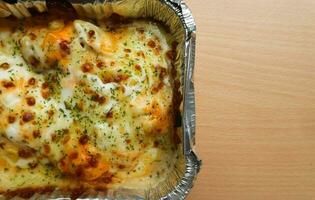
(85, 103)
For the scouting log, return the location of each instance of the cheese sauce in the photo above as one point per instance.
(85, 102)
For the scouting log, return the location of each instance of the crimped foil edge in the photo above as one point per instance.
(193, 163)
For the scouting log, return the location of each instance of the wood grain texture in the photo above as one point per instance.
(255, 93)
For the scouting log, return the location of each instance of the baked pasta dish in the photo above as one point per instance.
(85, 104)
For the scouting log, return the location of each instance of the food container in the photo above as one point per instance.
(175, 15)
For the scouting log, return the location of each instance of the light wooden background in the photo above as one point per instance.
(255, 87)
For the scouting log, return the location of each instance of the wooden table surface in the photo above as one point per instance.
(255, 94)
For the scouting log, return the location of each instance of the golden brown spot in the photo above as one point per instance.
(92, 161)
(80, 105)
(82, 83)
(5, 66)
(79, 172)
(28, 116)
(34, 61)
(63, 164)
(11, 119)
(26, 152)
(121, 77)
(46, 149)
(66, 139)
(122, 88)
(26, 137)
(151, 44)
(128, 141)
(140, 54)
(98, 98)
(107, 78)
(112, 63)
(106, 178)
(91, 33)
(100, 64)
(138, 67)
(31, 81)
(84, 139)
(163, 73)
(87, 67)
(8, 84)
(127, 50)
(45, 85)
(65, 131)
(101, 100)
(54, 137)
(121, 166)
(73, 155)
(32, 36)
(50, 113)
(45, 93)
(157, 87)
(36, 134)
(88, 90)
(109, 114)
(65, 46)
(30, 101)
(45, 90)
